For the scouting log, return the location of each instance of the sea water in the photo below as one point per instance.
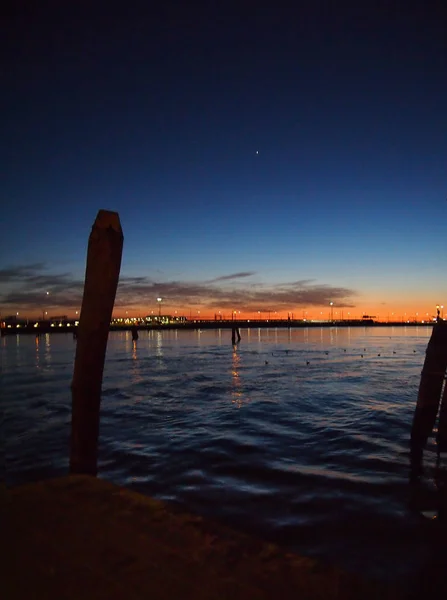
(299, 436)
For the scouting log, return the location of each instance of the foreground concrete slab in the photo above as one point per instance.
(85, 538)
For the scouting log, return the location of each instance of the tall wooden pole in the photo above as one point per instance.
(430, 387)
(101, 280)
(441, 438)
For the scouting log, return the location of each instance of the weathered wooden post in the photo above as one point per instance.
(235, 334)
(430, 387)
(441, 438)
(101, 280)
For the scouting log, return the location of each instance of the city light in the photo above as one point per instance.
(408, 314)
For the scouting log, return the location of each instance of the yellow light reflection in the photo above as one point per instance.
(37, 351)
(47, 355)
(136, 369)
(236, 392)
(159, 345)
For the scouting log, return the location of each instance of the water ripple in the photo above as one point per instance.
(293, 436)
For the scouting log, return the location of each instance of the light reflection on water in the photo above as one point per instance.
(236, 388)
(297, 435)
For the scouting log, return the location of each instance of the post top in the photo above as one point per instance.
(106, 219)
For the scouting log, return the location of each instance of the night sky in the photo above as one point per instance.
(259, 159)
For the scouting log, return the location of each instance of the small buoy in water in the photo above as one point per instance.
(378, 355)
(266, 362)
(361, 355)
(414, 350)
(344, 349)
(394, 351)
(326, 353)
(307, 362)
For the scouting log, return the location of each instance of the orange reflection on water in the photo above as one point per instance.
(135, 372)
(47, 349)
(236, 392)
(37, 352)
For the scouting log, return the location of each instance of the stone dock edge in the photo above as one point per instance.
(86, 538)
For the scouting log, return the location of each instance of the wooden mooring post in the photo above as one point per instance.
(235, 335)
(101, 280)
(441, 437)
(430, 390)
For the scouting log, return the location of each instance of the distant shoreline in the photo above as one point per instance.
(69, 326)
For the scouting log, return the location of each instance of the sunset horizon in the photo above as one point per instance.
(241, 295)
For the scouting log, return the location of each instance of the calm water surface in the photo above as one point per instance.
(298, 436)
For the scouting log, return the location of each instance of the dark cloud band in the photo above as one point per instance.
(25, 288)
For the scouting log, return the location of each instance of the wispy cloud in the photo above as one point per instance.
(241, 275)
(32, 287)
(25, 288)
(20, 273)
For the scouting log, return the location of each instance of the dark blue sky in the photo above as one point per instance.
(303, 147)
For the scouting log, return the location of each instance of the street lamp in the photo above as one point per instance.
(44, 312)
(331, 304)
(159, 307)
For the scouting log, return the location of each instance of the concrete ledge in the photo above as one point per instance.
(84, 538)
